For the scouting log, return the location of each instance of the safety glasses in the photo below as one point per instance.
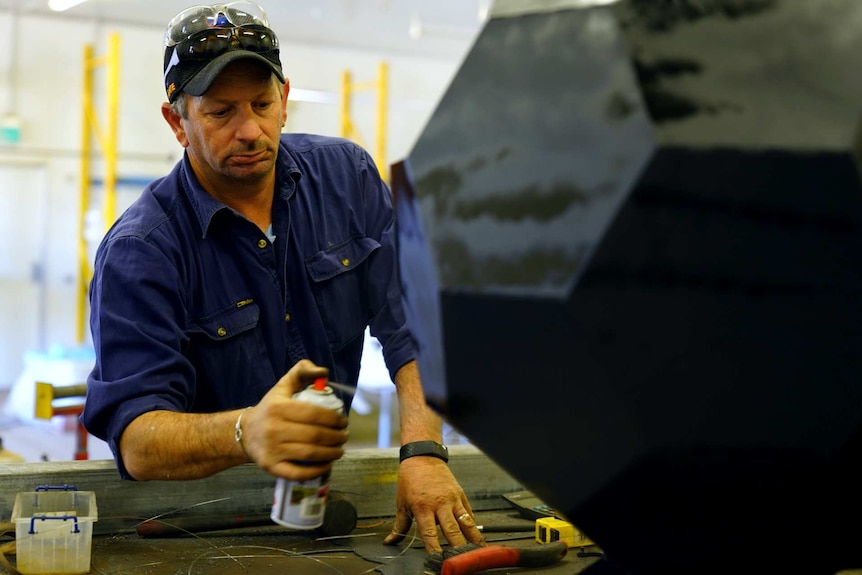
(195, 22)
(210, 43)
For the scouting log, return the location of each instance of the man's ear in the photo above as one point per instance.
(284, 102)
(176, 123)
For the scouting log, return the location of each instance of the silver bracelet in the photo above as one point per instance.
(237, 429)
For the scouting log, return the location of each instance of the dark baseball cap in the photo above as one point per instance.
(201, 41)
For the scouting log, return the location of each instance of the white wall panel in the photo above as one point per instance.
(41, 82)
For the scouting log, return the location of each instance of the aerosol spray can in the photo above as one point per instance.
(301, 504)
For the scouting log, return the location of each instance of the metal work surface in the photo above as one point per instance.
(365, 477)
(368, 477)
(275, 550)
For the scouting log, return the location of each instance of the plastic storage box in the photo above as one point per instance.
(54, 530)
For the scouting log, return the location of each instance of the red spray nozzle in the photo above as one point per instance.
(320, 383)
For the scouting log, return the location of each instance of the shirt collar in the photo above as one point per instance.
(286, 166)
(206, 207)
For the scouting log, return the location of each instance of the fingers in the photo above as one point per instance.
(291, 438)
(426, 525)
(402, 524)
(468, 526)
(297, 471)
(461, 529)
(300, 375)
(469, 529)
(451, 526)
(428, 491)
(458, 530)
(270, 435)
(291, 410)
(295, 454)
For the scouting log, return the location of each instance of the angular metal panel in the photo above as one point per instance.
(631, 243)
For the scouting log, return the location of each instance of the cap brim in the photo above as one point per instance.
(202, 81)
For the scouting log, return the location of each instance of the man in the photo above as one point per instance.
(251, 269)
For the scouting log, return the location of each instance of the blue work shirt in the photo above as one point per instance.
(194, 309)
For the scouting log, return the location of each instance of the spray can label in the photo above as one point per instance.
(302, 504)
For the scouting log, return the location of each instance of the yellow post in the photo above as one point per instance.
(348, 129)
(108, 144)
(84, 192)
(110, 149)
(346, 94)
(382, 97)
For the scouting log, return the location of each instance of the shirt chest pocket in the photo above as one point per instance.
(228, 323)
(230, 356)
(340, 283)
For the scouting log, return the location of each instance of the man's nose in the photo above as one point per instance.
(248, 127)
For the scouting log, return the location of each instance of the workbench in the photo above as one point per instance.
(274, 550)
(367, 477)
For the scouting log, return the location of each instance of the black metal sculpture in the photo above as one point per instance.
(631, 245)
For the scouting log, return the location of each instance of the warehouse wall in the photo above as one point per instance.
(41, 82)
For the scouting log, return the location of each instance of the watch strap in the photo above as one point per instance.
(427, 447)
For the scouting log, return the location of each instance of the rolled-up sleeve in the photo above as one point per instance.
(140, 366)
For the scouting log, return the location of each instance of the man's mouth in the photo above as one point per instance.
(248, 158)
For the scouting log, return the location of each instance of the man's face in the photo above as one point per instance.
(232, 131)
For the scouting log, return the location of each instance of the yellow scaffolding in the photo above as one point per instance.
(348, 128)
(107, 140)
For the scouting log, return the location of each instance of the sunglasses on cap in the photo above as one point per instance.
(197, 38)
(210, 43)
(196, 19)
(207, 31)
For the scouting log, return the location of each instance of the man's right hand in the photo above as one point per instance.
(290, 438)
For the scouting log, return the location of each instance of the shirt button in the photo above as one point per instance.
(345, 262)
(221, 331)
(287, 317)
(261, 243)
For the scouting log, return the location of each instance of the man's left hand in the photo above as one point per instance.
(429, 493)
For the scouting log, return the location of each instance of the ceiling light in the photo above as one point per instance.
(61, 5)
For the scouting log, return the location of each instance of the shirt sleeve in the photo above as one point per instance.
(135, 304)
(389, 324)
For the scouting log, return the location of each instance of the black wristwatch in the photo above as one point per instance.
(428, 447)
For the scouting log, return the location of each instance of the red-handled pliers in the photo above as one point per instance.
(495, 556)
